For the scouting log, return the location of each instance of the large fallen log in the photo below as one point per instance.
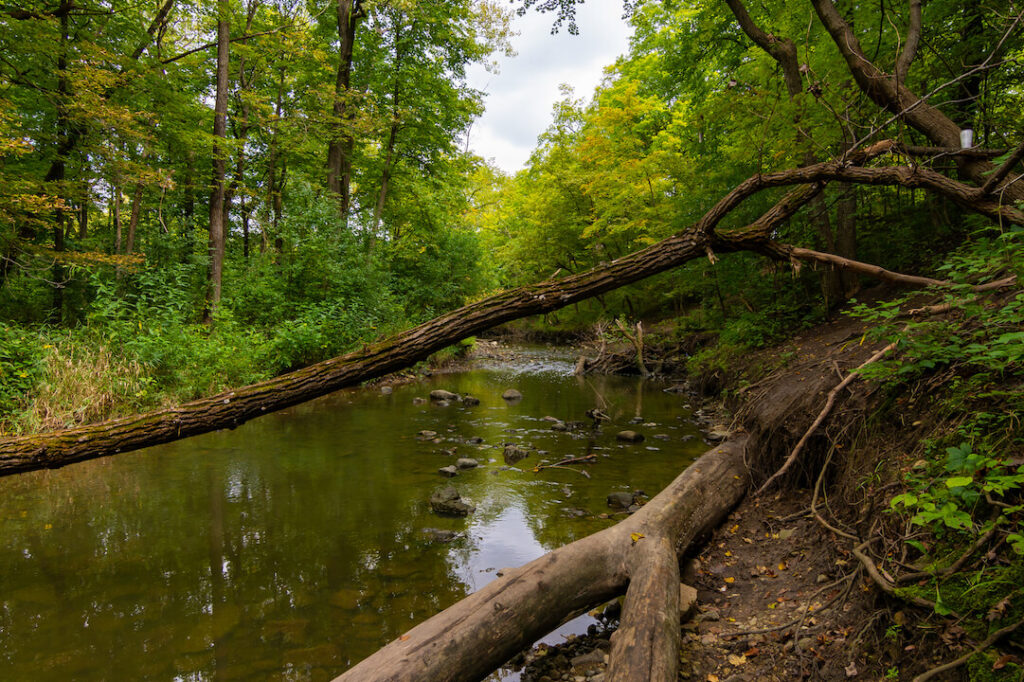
(472, 638)
(228, 410)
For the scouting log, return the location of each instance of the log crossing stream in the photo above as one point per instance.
(299, 543)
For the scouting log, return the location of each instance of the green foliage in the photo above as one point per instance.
(21, 356)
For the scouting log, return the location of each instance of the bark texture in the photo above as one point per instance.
(470, 639)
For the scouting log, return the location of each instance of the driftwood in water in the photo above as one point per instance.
(472, 638)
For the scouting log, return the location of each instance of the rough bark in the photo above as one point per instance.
(230, 409)
(339, 149)
(217, 225)
(133, 220)
(470, 639)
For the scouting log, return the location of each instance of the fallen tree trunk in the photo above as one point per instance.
(475, 636)
(228, 410)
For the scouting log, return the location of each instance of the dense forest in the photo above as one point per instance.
(200, 196)
(204, 196)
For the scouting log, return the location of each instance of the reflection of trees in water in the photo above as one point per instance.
(295, 540)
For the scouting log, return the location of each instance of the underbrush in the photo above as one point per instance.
(953, 535)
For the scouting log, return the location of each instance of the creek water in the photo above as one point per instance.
(295, 545)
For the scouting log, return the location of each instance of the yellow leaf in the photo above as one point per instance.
(712, 678)
(734, 528)
(783, 566)
(737, 660)
(48, 526)
(728, 554)
(730, 580)
(635, 536)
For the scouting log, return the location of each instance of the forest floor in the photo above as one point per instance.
(778, 595)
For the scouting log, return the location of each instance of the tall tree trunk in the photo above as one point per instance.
(217, 223)
(241, 134)
(83, 210)
(385, 179)
(846, 236)
(116, 213)
(67, 138)
(133, 220)
(274, 200)
(389, 156)
(339, 149)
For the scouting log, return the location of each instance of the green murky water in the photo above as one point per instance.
(294, 546)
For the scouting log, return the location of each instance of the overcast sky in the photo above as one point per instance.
(519, 98)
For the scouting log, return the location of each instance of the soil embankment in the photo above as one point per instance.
(780, 595)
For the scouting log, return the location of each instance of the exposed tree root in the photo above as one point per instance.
(829, 403)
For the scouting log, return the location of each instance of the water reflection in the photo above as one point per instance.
(294, 546)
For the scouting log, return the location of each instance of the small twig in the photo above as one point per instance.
(956, 663)
(571, 460)
(582, 472)
(829, 403)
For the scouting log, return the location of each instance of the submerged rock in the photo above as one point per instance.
(512, 394)
(448, 471)
(448, 501)
(629, 436)
(470, 401)
(440, 395)
(559, 426)
(620, 500)
(513, 453)
(466, 463)
(386, 390)
(426, 435)
(439, 535)
(419, 401)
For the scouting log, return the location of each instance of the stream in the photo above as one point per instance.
(299, 543)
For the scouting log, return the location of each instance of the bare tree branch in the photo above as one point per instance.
(906, 57)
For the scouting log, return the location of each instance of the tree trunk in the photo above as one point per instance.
(133, 221)
(389, 156)
(83, 210)
(339, 150)
(470, 639)
(116, 213)
(385, 180)
(217, 223)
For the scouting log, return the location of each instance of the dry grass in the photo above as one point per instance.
(85, 385)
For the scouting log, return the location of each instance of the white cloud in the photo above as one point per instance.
(520, 97)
